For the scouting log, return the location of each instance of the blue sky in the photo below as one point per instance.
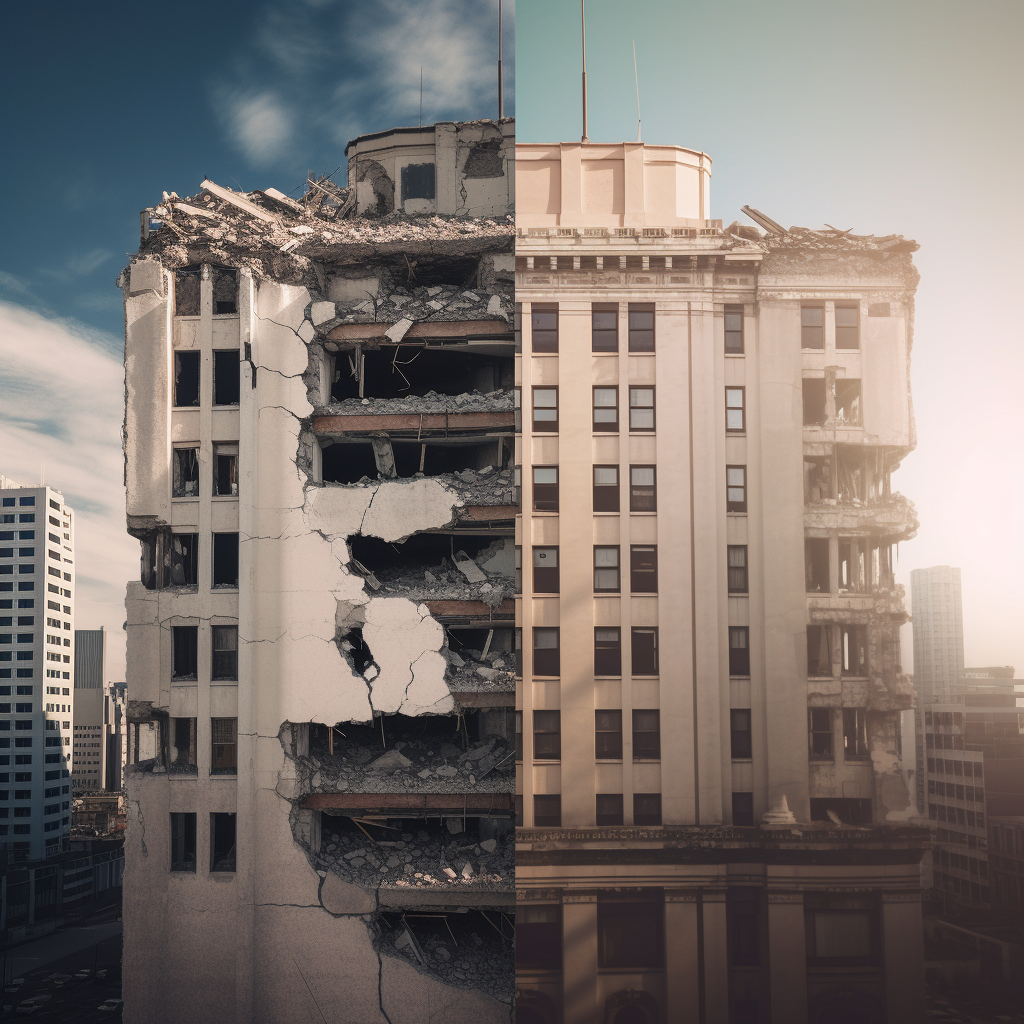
(884, 116)
(106, 105)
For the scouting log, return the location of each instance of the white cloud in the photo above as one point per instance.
(61, 409)
(260, 124)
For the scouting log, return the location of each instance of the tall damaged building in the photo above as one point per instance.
(321, 662)
(716, 826)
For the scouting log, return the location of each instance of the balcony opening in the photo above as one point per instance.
(819, 651)
(816, 565)
(357, 460)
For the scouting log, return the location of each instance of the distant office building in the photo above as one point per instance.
(90, 748)
(116, 701)
(37, 586)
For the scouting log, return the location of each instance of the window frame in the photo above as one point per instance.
(604, 426)
(739, 664)
(611, 748)
(217, 674)
(545, 503)
(606, 818)
(741, 741)
(596, 332)
(733, 309)
(732, 505)
(634, 334)
(549, 574)
(817, 721)
(737, 575)
(600, 669)
(643, 576)
(853, 307)
(617, 589)
(653, 407)
(600, 488)
(549, 426)
(553, 803)
(730, 392)
(547, 724)
(635, 668)
(806, 327)
(646, 749)
(633, 501)
(550, 660)
(549, 345)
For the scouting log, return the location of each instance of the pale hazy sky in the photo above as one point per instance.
(902, 116)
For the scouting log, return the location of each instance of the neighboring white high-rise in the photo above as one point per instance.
(938, 631)
(37, 586)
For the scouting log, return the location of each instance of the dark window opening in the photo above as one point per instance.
(547, 811)
(547, 736)
(546, 655)
(855, 733)
(739, 651)
(608, 735)
(348, 462)
(743, 905)
(225, 652)
(604, 326)
(222, 842)
(819, 722)
(186, 378)
(609, 809)
(852, 567)
(643, 569)
(736, 488)
(743, 809)
(545, 570)
(224, 738)
(539, 937)
(848, 406)
(849, 810)
(643, 489)
(816, 565)
(631, 935)
(183, 746)
(226, 370)
(854, 650)
(225, 559)
(183, 842)
(186, 647)
(737, 558)
(225, 290)
(644, 650)
(607, 651)
(819, 651)
(225, 470)
(641, 327)
(484, 160)
(606, 409)
(741, 745)
(734, 330)
(606, 488)
(185, 473)
(812, 327)
(847, 326)
(184, 560)
(545, 488)
(817, 478)
(646, 735)
(417, 181)
(814, 401)
(544, 327)
(646, 808)
(187, 290)
(403, 371)
(852, 474)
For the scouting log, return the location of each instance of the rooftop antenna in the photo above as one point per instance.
(583, 16)
(501, 89)
(636, 79)
(421, 95)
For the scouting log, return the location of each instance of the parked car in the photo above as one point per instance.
(32, 1005)
(110, 1006)
(83, 973)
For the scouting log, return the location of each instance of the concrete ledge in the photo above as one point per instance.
(414, 421)
(454, 803)
(497, 329)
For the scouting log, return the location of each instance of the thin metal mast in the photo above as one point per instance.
(501, 88)
(636, 79)
(583, 14)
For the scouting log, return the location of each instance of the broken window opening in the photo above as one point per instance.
(226, 375)
(852, 474)
(358, 460)
(184, 559)
(187, 291)
(222, 842)
(406, 371)
(183, 746)
(185, 473)
(480, 659)
(225, 291)
(646, 808)
(820, 733)
(183, 842)
(819, 651)
(817, 478)
(185, 654)
(854, 650)
(848, 406)
(855, 733)
(816, 565)
(849, 810)
(186, 378)
(225, 470)
(547, 811)
(852, 575)
(224, 743)
(815, 412)
(484, 160)
(417, 181)
(225, 560)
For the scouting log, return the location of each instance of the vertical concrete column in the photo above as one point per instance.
(787, 958)
(32, 897)
(579, 958)
(682, 982)
(716, 958)
(903, 945)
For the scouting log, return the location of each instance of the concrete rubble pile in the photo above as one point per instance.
(469, 670)
(431, 402)
(447, 582)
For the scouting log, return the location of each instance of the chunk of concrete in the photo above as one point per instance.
(322, 312)
(396, 332)
(390, 759)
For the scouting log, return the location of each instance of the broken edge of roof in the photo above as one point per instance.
(765, 222)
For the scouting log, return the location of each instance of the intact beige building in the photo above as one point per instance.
(715, 824)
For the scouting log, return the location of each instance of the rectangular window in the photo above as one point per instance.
(544, 327)
(539, 937)
(609, 812)
(646, 808)
(606, 409)
(736, 488)
(225, 560)
(819, 651)
(743, 809)
(185, 471)
(855, 733)
(519, 735)
(546, 659)
(646, 735)
(545, 410)
(740, 735)
(187, 290)
(842, 936)
(631, 935)
(186, 379)
(184, 559)
(224, 736)
(607, 651)
(222, 842)
(225, 652)
(643, 489)
(547, 811)
(737, 559)
(545, 570)
(816, 565)
(519, 568)
(848, 403)
(418, 181)
(641, 409)
(547, 739)
(735, 412)
(608, 735)
(604, 326)
(545, 488)
(606, 570)
(606, 488)
(812, 327)
(226, 369)
(820, 733)
(814, 401)
(743, 927)
(739, 651)
(643, 569)
(225, 291)
(183, 745)
(644, 650)
(854, 650)
(847, 326)
(225, 470)
(734, 330)
(641, 327)
(186, 643)
(183, 842)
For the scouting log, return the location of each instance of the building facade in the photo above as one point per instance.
(37, 619)
(715, 824)
(320, 437)
(89, 742)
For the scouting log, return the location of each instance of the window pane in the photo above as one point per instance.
(606, 476)
(545, 474)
